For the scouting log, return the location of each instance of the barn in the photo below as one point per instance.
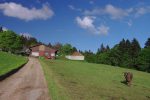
(43, 51)
(75, 56)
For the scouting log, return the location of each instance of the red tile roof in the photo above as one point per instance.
(77, 54)
(36, 48)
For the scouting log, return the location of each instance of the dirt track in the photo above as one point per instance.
(27, 84)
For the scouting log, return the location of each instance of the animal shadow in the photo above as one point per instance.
(124, 82)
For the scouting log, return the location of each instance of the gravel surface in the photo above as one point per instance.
(27, 84)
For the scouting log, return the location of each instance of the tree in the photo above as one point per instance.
(57, 46)
(103, 58)
(18, 44)
(10, 41)
(107, 48)
(102, 55)
(29, 41)
(101, 49)
(89, 56)
(98, 51)
(7, 39)
(128, 46)
(134, 53)
(147, 44)
(50, 45)
(115, 56)
(32, 41)
(135, 48)
(144, 60)
(122, 46)
(74, 49)
(80, 51)
(1, 29)
(121, 53)
(66, 49)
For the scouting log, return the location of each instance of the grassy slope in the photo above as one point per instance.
(9, 62)
(71, 80)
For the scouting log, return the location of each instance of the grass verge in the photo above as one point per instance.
(9, 62)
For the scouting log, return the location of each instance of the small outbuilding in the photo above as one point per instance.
(75, 56)
(43, 51)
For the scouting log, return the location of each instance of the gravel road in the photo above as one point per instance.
(27, 84)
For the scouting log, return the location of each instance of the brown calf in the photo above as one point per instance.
(128, 77)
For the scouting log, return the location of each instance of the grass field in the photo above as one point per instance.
(9, 62)
(73, 80)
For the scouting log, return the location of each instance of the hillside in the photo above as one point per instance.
(73, 80)
(9, 62)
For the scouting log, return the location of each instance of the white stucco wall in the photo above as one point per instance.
(36, 54)
(53, 54)
(75, 57)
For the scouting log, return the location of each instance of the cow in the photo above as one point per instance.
(128, 77)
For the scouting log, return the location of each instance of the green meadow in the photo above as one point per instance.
(75, 80)
(8, 62)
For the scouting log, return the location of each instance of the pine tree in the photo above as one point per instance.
(122, 46)
(102, 49)
(50, 45)
(98, 51)
(1, 29)
(147, 44)
(128, 46)
(128, 43)
(74, 49)
(135, 50)
(107, 48)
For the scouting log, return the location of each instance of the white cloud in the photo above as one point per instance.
(103, 29)
(87, 23)
(74, 8)
(118, 13)
(112, 11)
(142, 10)
(18, 11)
(91, 2)
(71, 7)
(129, 23)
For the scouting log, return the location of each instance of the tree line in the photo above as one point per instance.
(126, 53)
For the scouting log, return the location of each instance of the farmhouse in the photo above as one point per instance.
(75, 56)
(43, 51)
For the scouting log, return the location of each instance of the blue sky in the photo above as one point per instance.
(83, 23)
